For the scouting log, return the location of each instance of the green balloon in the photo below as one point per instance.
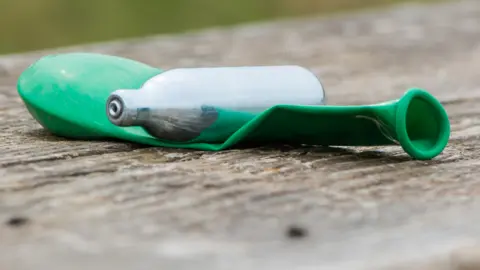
(67, 95)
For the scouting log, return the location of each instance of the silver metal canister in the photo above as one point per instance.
(179, 104)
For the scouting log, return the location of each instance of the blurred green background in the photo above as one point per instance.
(38, 24)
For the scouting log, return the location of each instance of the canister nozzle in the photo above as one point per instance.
(118, 109)
(115, 108)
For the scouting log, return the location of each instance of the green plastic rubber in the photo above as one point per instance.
(67, 93)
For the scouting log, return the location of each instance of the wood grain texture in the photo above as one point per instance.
(114, 205)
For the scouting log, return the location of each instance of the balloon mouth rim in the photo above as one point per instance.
(440, 138)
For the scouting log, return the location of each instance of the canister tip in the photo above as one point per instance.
(115, 109)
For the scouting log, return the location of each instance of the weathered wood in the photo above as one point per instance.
(113, 205)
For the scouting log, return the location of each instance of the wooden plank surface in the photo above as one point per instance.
(113, 205)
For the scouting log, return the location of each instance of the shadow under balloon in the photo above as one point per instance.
(254, 148)
(317, 151)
